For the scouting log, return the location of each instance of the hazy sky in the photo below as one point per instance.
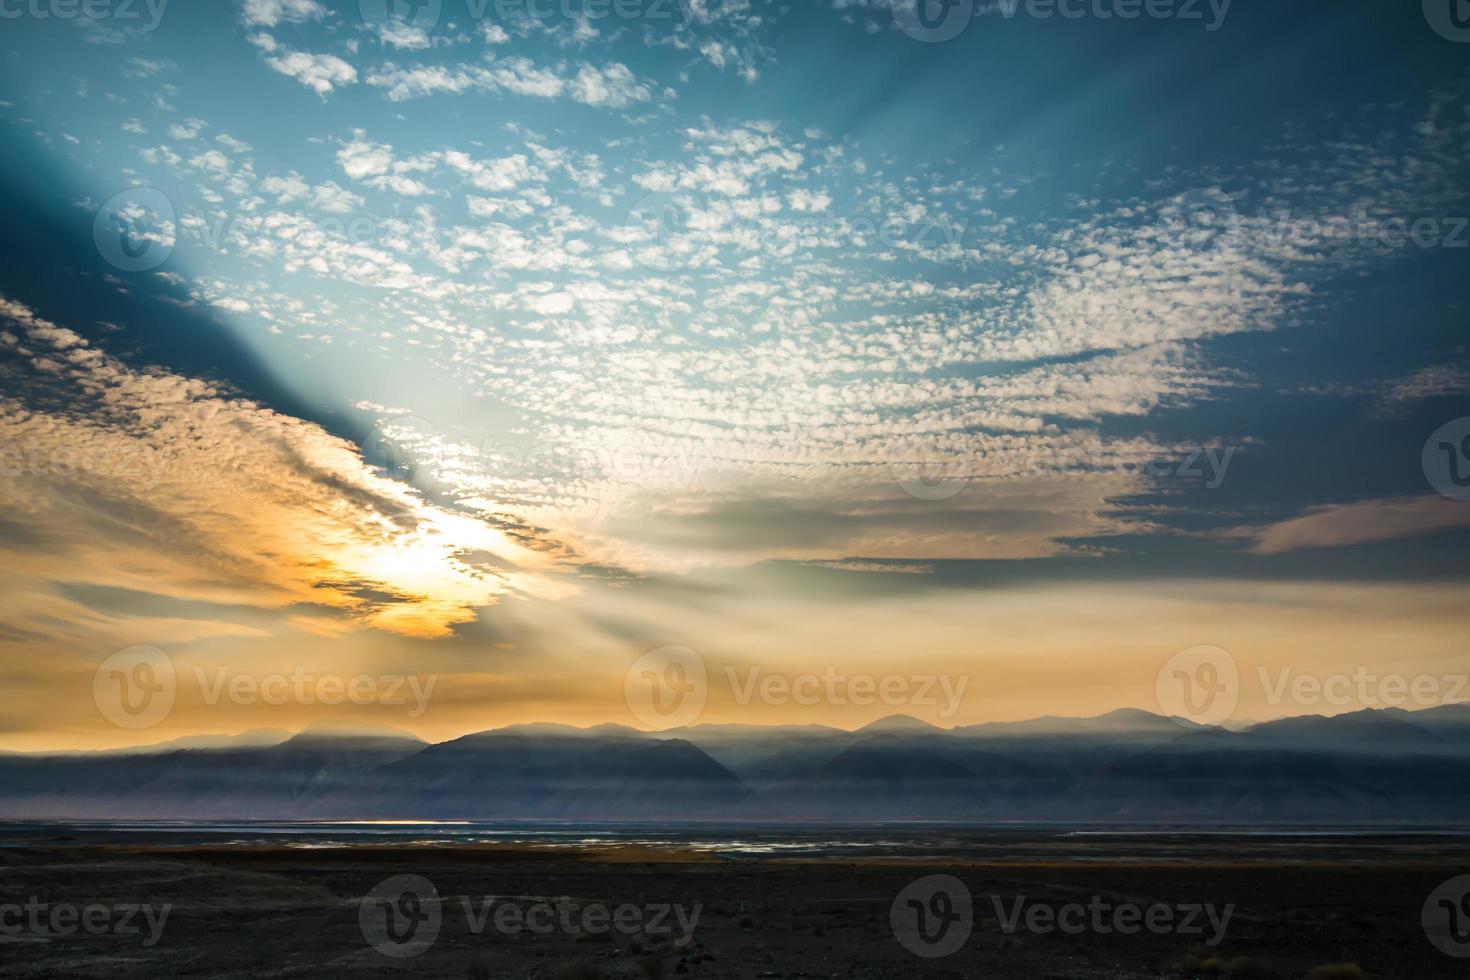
(502, 343)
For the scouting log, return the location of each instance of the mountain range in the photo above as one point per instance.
(1128, 766)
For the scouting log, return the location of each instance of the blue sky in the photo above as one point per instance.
(562, 335)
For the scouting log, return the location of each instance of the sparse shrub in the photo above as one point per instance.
(1338, 971)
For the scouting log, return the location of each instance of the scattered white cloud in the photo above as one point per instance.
(186, 130)
(399, 34)
(319, 72)
(612, 86)
(270, 13)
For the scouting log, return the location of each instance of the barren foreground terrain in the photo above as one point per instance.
(1102, 909)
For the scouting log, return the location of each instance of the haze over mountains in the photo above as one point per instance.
(1128, 766)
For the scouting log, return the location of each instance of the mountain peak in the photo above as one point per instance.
(349, 733)
(902, 724)
(1119, 722)
(557, 729)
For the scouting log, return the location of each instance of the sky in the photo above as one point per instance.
(1009, 349)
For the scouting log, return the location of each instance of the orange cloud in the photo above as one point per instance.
(149, 481)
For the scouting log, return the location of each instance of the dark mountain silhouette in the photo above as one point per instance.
(1374, 766)
(1123, 722)
(757, 752)
(1392, 732)
(545, 773)
(898, 724)
(195, 783)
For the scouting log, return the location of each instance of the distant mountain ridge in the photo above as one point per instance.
(1127, 766)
